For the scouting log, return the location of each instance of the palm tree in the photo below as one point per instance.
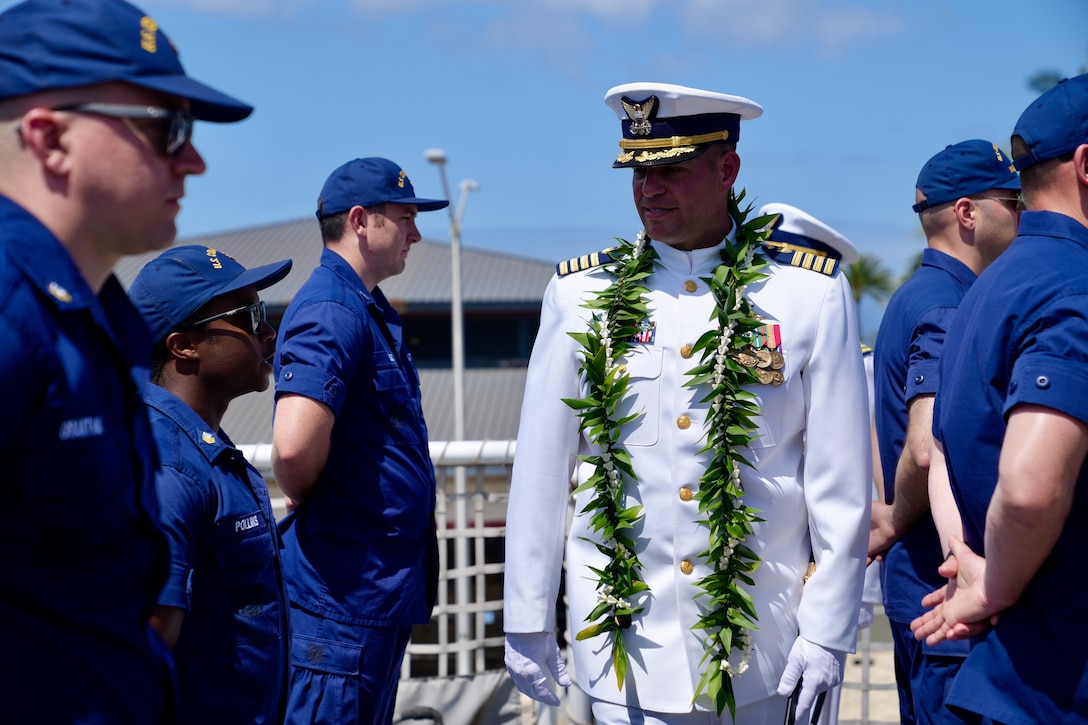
(869, 277)
(912, 266)
(1044, 80)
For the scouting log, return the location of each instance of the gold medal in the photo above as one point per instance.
(777, 378)
(777, 360)
(764, 356)
(766, 377)
(746, 357)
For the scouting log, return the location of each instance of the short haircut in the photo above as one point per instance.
(332, 226)
(722, 147)
(933, 220)
(1040, 174)
(159, 357)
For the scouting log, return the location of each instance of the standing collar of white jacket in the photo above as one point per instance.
(697, 261)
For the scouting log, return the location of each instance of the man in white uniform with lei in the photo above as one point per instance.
(707, 384)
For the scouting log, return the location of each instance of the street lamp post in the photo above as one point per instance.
(457, 322)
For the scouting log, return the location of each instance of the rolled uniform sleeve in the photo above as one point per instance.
(317, 353)
(183, 515)
(924, 358)
(1049, 370)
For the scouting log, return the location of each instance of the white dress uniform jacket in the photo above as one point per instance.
(811, 479)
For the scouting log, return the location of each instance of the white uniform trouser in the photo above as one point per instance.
(771, 711)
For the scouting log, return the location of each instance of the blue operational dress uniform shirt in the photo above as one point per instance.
(1021, 337)
(83, 556)
(361, 550)
(908, 355)
(224, 571)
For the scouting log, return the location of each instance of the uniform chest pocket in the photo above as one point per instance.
(643, 365)
(242, 540)
(396, 395)
(773, 402)
(393, 391)
(389, 379)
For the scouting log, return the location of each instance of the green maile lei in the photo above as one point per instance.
(729, 614)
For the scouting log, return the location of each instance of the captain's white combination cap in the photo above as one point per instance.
(668, 124)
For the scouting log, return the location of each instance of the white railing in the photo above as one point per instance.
(465, 634)
(443, 453)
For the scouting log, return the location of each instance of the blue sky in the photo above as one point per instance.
(857, 95)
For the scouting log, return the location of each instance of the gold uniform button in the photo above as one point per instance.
(622, 369)
(690, 285)
(686, 567)
(683, 422)
(686, 351)
(686, 494)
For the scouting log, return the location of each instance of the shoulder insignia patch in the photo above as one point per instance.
(804, 257)
(586, 261)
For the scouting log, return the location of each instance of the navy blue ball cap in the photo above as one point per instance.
(965, 169)
(1055, 123)
(51, 44)
(368, 182)
(181, 280)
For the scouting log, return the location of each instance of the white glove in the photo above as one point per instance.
(821, 669)
(528, 658)
(865, 615)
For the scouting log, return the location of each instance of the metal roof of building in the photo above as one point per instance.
(488, 279)
(492, 407)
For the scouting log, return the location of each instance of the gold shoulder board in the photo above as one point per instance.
(803, 257)
(586, 261)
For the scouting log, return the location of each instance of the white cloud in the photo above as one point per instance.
(392, 7)
(615, 10)
(272, 9)
(623, 11)
(536, 31)
(832, 26)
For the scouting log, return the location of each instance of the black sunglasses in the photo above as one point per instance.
(257, 316)
(176, 125)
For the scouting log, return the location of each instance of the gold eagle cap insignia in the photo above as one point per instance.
(640, 113)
